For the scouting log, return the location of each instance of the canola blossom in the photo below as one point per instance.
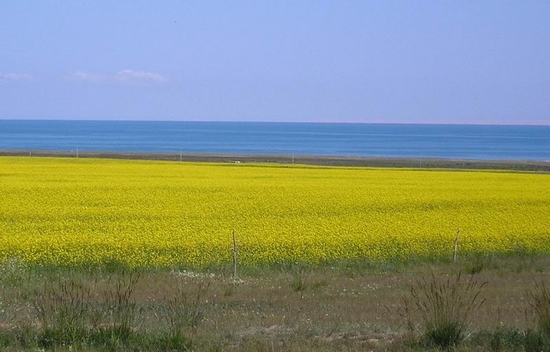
(152, 213)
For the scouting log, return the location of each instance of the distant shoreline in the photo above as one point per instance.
(394, 162)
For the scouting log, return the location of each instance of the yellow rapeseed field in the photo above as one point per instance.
(141, 213)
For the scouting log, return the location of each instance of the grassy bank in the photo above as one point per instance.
(340, 307)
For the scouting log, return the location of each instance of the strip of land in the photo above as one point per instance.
(517, 165)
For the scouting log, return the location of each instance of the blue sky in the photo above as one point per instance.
(324, 61)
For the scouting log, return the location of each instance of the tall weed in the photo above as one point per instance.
(183, 312)
(63, 311)
(445, 307)
(77, 312)
(538, 299)
(119, 307)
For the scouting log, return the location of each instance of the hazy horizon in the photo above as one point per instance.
(285, 122)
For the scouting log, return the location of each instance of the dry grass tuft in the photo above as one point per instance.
(445, 307)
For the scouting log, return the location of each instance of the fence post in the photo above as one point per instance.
(455, 249)
(235, 253)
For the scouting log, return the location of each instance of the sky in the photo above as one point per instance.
(406, 61)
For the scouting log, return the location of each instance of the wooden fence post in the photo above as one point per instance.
(235, 253)
(455, 250)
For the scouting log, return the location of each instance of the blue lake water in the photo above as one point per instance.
(483, 142)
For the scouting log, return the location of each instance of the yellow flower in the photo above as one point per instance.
(150, 213)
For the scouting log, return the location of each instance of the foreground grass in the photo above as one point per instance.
(340, 307)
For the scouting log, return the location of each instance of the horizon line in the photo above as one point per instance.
(285, 122)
